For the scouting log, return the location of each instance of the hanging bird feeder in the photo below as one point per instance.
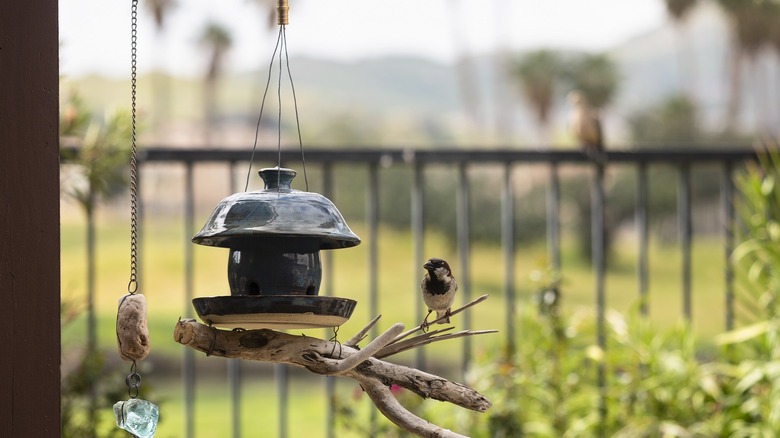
(275, 236)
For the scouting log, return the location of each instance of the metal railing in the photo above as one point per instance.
(462, 159)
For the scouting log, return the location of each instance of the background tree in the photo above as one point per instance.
(538, 74)
(160, 10)
(216, 40)
(669, 123)
(752, 26)
(100, 162)
(678, 11)
(595, 76)
(268, 10)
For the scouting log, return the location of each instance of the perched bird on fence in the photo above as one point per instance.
(438, 290)
(585, 125)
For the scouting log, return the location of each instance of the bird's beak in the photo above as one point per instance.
(428, 265)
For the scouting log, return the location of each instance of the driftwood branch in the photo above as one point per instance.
(363, 365)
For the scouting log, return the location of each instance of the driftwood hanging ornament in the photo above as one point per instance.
(364, 364)
(132, 332)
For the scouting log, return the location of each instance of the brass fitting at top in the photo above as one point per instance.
(281, 12)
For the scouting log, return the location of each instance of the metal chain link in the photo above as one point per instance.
(133, 381)
(132, 286)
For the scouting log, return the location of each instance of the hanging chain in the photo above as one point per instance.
(132, 286)
(133, 381)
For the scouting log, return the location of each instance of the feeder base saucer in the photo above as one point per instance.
(274, 311)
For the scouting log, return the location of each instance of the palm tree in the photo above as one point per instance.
(753, 24)
(468, 86)
(268, 9)
(160, 10)
(538, 74)
(217, 41)
(596, 77)
(678, 10)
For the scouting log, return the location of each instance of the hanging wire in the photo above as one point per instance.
(262, 105)
(281, 47)
(295, 102)
(335, 340)
(132, 286)
(279, 120)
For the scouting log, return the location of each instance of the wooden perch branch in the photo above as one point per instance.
(363, 365)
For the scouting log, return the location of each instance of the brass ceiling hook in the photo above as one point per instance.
(281, 12)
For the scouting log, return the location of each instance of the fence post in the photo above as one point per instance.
(553, 221)
(508, 245)
(727, 192)
(234, 365)
(599, 267)
(417, 225)
(188, 374)
(641, 230)
(684, 212)
(330, 383)
(464, 283)
(372, 217)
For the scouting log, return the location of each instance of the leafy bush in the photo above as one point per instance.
(657, 383)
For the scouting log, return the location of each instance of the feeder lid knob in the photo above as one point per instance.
(277, 177)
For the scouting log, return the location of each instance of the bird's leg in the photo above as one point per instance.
(424, 325)
(447, 315)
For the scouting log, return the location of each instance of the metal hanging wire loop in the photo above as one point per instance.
(335, 340)
(279, 119)
(213, 341)
(295, 102)
(132, 286)
(262, 105)
(281, 47)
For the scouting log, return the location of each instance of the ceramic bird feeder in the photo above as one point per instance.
(275, 236)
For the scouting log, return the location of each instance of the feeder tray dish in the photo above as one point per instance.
(274, 311)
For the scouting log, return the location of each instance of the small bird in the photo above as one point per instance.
(438, 290)
(585, 125)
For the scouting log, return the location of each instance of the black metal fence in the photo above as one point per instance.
(375, 161)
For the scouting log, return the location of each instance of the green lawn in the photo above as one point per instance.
(162, 282)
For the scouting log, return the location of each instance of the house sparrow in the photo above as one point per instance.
(438, 290)
(585, 125)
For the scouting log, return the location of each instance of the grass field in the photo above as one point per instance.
(162, 282)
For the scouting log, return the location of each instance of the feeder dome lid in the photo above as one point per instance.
(277, 211)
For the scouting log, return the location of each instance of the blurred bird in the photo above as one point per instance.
(438, 290)
(585, 125)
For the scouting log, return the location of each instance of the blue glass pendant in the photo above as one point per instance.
(139, 417)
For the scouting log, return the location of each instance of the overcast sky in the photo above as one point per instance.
(95, 34)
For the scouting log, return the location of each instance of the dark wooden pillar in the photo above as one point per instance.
(29, 220)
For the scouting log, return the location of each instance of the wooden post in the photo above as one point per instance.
(29, 219)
